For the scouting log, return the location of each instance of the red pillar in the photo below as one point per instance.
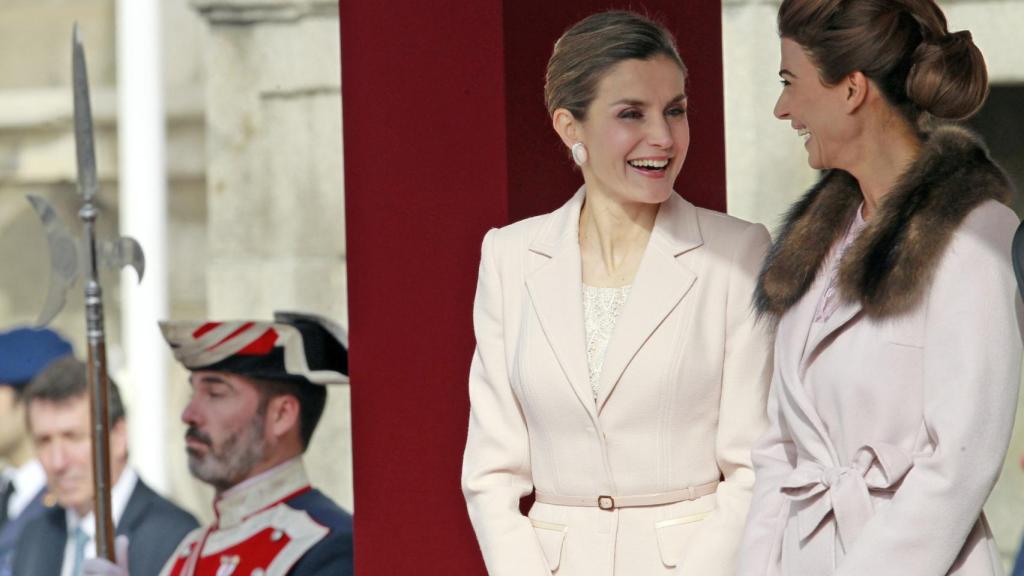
(445, 136)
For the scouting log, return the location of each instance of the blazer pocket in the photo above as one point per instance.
(674, 536)
(552, 538)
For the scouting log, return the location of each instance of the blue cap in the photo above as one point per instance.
(24, 352)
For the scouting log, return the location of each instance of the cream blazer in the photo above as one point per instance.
(682, 399)
(886, 436)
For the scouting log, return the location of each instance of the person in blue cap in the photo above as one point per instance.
(24, 353)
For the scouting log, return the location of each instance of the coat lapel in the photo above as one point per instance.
(556, 289)
(846, 310)
(843, 314)
(661, 282)
(801, 417)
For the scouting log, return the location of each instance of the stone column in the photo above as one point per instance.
(767, 167)
(275, 202)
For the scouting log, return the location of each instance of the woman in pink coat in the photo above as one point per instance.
(619, 372)
(897, 356)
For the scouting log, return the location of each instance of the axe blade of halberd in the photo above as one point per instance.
(64, 259)
(125, 251)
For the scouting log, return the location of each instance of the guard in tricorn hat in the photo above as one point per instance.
(258, 390)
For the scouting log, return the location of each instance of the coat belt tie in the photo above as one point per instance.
(816, 489)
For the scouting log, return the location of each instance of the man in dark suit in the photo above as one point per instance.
(24, 352)
(58, 542)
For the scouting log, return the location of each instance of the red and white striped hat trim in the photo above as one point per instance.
(200, 344)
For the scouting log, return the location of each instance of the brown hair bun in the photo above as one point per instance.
(949, 78)
(904, 46)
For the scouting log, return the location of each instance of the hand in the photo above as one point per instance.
(104, 567)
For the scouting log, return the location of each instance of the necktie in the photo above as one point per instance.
(81, 539)
(5, 500)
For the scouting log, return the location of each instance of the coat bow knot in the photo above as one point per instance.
(816, 489)
(832, 476)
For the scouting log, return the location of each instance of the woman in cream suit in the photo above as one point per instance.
(619, 370)
(898, 350)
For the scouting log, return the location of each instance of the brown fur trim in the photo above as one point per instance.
(889, 266)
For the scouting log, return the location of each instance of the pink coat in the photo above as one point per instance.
(890, 423)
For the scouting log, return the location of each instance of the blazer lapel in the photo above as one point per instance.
(47, 551)
(660, 283)
(556, 289)
(135, 510)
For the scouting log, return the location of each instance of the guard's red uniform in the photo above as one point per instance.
(256, 531)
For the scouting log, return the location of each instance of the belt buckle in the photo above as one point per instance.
(606, 503)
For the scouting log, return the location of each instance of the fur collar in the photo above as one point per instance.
(888, 266)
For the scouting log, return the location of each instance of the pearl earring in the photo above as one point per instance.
(579, 153)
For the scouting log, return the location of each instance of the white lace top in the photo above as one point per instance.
(601, 308)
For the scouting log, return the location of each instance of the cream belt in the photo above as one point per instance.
(606, 502)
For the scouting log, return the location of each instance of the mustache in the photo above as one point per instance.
(194, 434)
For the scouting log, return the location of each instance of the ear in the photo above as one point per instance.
(282, 416)
(569, 129)
(119, 441)
(856, 86)
(17, 413)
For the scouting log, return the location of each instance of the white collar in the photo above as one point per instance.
(260, 492)
(119, 496)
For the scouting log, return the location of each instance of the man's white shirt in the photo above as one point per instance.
(119, 496)
(28, 480)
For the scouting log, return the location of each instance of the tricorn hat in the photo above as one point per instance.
(24, 352)
(295, 346)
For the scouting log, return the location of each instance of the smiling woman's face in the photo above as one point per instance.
(813, 109)
(636, 131)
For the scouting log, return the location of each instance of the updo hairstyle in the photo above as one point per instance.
(592, 47)
(904, 46)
